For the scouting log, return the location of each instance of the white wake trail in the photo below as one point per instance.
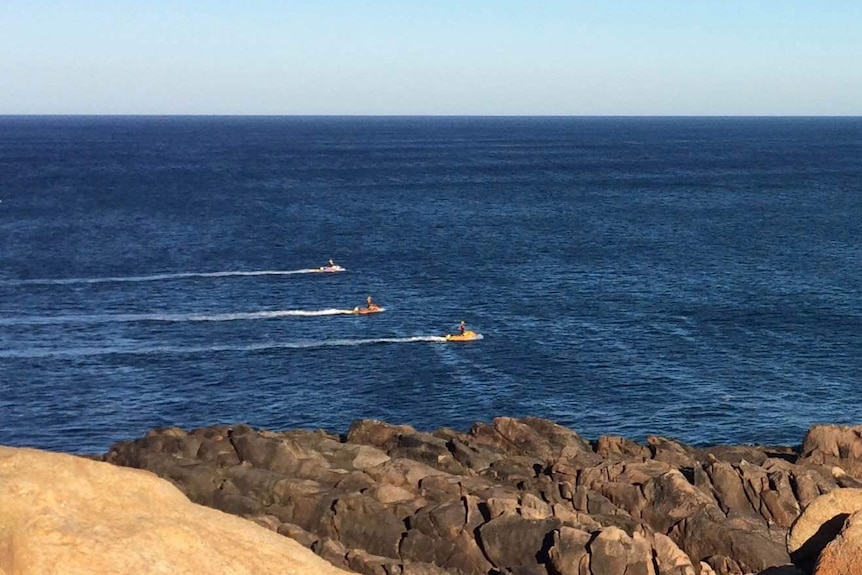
(158, 277)
(168, 317)
(36, 353)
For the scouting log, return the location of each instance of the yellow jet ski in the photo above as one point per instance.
(372, 308)
(468, 335)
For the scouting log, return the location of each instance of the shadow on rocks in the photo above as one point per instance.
(783, 570)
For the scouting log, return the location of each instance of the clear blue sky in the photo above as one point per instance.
(652, 57)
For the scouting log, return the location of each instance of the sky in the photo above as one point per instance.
(424, 57)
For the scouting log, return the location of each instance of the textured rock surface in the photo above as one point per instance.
(510, 496)
(820, 523)
(843, 555)
(61, 514)
(834, 445)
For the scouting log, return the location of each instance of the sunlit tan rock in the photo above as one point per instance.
(843, 555)
(61, 514)
(819, 524)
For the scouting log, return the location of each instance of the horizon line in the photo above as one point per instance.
(328, 115)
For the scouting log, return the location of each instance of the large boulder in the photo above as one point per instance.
(833, 445)
(820, 523)
(540, 438)
(444, 535)
(613, 551)
(843, 555)
(570, 554)
(512, 541)
(402, 441)
(65, 514)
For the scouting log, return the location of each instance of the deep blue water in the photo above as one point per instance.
(697, 278)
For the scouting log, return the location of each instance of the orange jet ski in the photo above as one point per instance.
(372, 308)
(468, 335)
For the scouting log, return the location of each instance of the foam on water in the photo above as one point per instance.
(160, 277)
(170, 317)
(35, 353)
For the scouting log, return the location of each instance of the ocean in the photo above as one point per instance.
(696, 278)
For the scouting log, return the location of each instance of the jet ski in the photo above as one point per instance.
(330, 269)
(373, 308)
(468, 335)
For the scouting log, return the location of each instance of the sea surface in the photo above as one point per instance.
(697, 278)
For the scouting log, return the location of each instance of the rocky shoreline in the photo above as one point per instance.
(525, 497)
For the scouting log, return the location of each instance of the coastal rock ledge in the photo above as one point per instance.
(526, 497)
(515, 496)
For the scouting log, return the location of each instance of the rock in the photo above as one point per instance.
(513, 469)
(843, 480)
(526, 570)
(572, 518)
(563, 443)
(423, 569)
(779, 570)
(513, 496)
(298, 501)
(404, 473)
(458, 552)
(284, 454)
(473, 457)
(218, 451)
(810, 485)
(539, 439)
(820, 523)
(376, 433)
(737, 544)
(843, 555)
(511, 540)
(670, 498)
(403, 441)
(65, 514)
(331, 550)
(369, 457)
(728, 488)
(670, 559)
(388, 494)
(672, 452)
(298, 534)
(735, 454)
(781, 501)
(613, 552)
(614, 446)
(368, 564)
(498, 506)
(569, 555)
(361, 522)
(624, 495)
(531, 507)
(444, 534)
(834, 445)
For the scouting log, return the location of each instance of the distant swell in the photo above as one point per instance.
(168, 317)
(156, 277)
(34, 353)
